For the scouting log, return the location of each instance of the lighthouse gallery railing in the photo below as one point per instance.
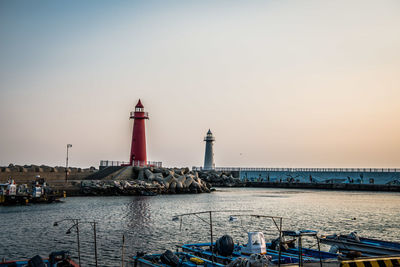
(111, 163)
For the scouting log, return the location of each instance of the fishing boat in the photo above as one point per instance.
(225, 251)
(8, 193)
(257, 252)
(39, 192)
(56, 259)
(168, 258)
(366, 246)
(290, 238)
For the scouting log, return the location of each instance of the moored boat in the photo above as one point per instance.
(290, 238)
(39, 192)
(9, 194)
(56, 259)
(226, 251)
(168, 258)
(365, 246)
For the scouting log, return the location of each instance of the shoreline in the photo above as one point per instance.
(329, 187)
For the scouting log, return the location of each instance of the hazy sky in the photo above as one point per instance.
(280, 83)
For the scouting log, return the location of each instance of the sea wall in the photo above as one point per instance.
(322, 177)
(128, 180)
(347, 187)
(27, 173)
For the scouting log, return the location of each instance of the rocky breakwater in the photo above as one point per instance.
(147, 181)
(221, 179)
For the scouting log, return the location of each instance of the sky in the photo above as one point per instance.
(279, 83)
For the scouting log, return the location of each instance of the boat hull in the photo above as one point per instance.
(367, 246)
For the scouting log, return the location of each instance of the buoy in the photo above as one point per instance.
(197, 261)
(232, 219)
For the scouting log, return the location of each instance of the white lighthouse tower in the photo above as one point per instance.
(209, 155)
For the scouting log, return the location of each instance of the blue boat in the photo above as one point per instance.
(168, 258)
(256, 245)
(365, 246)
(289, 246)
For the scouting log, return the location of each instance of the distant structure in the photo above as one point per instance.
(138, 155)
(209, 155)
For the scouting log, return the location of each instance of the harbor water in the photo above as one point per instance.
(146, 222)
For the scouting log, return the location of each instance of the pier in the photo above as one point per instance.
(370, 176)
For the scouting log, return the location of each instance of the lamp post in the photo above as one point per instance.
(66, 163)
(76, 223)
(93, 224)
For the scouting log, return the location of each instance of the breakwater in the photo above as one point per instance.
(120, 180)
(27, 173)
(322, 175)
(389, 176)
(328, 186)
(131, 180)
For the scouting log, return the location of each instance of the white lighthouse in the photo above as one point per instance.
(209, 155)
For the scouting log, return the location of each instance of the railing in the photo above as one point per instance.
(157, 164)
(300, 169)
(110, 163)
(145, 115)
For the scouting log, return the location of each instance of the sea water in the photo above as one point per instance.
(147, 225)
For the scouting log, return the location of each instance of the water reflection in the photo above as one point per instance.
(137, 213)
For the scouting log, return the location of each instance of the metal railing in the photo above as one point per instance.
(111, 163)
(145, 115)
(157, 164)
(300, 169)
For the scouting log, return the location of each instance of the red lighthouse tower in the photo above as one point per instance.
(138, 149)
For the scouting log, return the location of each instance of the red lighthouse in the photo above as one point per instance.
(138, 149)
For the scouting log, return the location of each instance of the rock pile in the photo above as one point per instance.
(119, 188)
(148, 181)
(220, 179)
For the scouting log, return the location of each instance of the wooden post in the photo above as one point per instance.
(123, 245)
(212, 246)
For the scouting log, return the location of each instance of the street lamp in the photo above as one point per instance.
(76, 223)
(66, 164)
